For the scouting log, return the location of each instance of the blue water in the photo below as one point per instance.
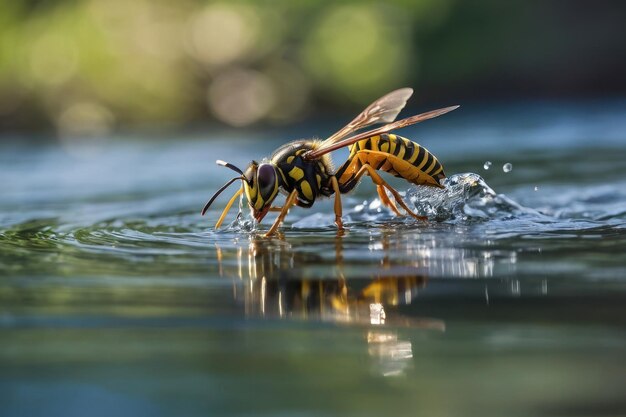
(118, 298)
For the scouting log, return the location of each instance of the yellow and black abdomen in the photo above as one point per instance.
(394, 154)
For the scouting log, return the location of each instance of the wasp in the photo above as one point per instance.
(303, 169)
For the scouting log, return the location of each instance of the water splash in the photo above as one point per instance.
(465, 197)
(244, 221)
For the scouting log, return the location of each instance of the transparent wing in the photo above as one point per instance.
(316, 153)
(383, 110)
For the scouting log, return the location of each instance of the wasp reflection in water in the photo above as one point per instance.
(269, 286)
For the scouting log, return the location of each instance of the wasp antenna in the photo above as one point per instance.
(217, 193)
(229, 165)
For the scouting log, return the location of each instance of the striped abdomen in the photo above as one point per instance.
(396, 155)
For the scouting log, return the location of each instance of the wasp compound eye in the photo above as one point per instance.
(266, 177)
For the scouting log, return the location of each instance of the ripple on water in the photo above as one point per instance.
(466, 212)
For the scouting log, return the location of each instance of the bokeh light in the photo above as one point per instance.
(360, 51)
(221, 33)
(240, 97)
(156, 62)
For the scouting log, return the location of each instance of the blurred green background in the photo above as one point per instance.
(90, 67)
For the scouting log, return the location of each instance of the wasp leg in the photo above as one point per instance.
(225, 212)
(288, 203)
(297, 203)
(384, 198)
(338, 209)
(379, 181)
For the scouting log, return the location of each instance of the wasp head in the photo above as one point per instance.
(261, 187)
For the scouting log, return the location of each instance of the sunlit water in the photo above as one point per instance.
(509, 301)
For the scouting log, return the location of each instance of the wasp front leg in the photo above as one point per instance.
(291, 199)
(227, 208)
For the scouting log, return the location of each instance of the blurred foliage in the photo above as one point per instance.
(85, 67)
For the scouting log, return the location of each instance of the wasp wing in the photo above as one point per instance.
(383, 110)
(316, 153)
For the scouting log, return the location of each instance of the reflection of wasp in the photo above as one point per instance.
(276, 285)
(273, 283)
(303, 169)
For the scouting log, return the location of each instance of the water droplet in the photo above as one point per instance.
(508, 167)
(536, 188)
(487, 164)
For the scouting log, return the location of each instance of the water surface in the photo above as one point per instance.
(509, 301)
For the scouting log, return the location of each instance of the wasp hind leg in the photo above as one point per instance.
(291, 199)
(368, 169)
(384, 199)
